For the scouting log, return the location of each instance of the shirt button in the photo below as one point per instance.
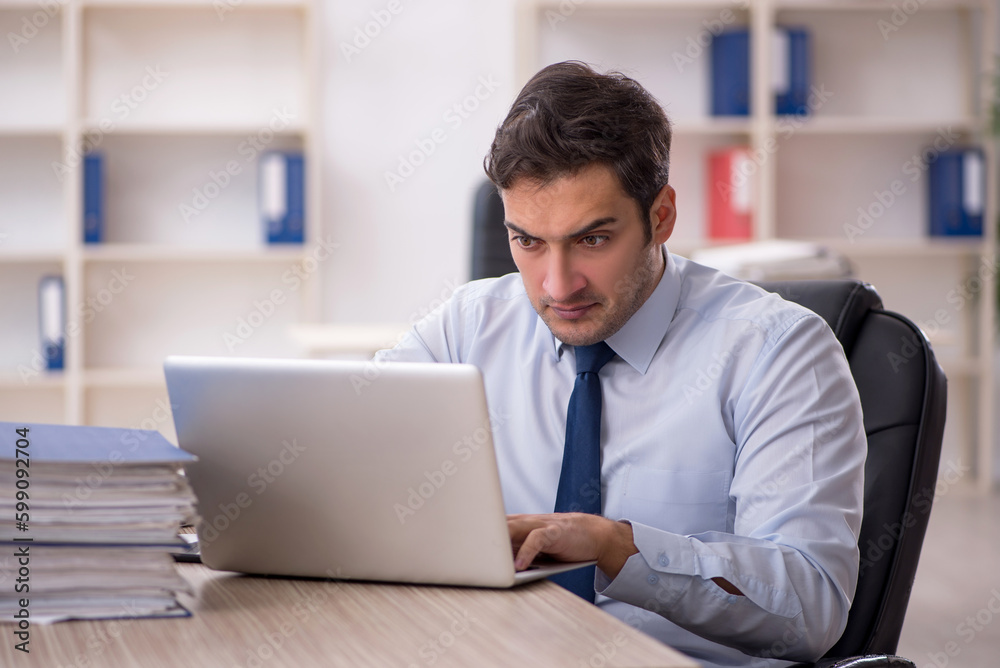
(652, 579)
(664, 560)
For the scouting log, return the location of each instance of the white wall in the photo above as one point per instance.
(403, 248)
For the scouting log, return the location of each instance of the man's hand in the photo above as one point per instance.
(571, 537)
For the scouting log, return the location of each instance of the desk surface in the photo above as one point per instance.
(254, 622)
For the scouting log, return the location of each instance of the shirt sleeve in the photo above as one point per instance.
(434, 338)
(798, 492)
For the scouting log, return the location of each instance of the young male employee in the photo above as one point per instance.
(714, 451)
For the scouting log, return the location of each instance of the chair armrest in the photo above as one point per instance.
(869, 661)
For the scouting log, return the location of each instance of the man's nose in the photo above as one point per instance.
(562, 279)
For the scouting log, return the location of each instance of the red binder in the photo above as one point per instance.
(729, 191)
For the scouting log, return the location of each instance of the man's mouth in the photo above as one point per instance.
(572, 312)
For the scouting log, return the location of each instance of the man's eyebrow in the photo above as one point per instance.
(600, 222)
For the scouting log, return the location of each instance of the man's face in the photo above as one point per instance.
(580, 245)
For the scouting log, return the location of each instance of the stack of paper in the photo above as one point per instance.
(775, 260)
(89, 517)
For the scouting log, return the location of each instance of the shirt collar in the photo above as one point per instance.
(637, 341)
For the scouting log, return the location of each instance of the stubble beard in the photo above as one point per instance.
(633, 289)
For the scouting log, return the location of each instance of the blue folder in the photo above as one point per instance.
(93, 198)
(85, 444)
(730, 73)
(794, 99)
(282, 197)
(957, 190)
(51, 321)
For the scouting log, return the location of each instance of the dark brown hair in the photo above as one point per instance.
(568, 117)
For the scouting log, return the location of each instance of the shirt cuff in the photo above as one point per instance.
(649, 578)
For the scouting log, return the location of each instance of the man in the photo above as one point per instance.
(731, 447)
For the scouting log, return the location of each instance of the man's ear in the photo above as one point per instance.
(663, 214)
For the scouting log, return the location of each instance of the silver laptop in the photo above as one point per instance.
(345, 470)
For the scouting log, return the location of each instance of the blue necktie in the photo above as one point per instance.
(580, 480)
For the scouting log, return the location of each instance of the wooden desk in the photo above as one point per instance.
(253, 622)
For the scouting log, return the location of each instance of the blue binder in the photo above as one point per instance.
(792, 97)
(730, 73)
(957, 191)
(282, 197)
(93, 198)
(51, 321)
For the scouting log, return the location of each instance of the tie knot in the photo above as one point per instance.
(592, 358)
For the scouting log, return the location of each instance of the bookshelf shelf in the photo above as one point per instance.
(713, 127)
(124, 378)
(171, 93)
(13, 381)
(29, 257)
(873, 7)
(868, 125)
(220, 129)
(917, 247)
(891, 96)
(31, 130)
(114, 253)
(214, 5)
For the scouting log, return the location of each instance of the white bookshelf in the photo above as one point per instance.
(892, 95)
(173, 93)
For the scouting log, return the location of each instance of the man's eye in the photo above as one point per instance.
(524, 242)
(594, 240)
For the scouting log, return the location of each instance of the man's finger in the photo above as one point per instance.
(533, 543)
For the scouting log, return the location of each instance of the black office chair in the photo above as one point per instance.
(490, 249)
(903, 395)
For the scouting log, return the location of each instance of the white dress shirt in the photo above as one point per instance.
(731, 439)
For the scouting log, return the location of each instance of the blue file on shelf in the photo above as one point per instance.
(51, 321)
(790, 71)
(730, 73)
(93, 198)
(957, 190)
(790, 78)
(282, 196)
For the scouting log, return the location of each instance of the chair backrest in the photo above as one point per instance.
(490, 249)
(903, 395)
